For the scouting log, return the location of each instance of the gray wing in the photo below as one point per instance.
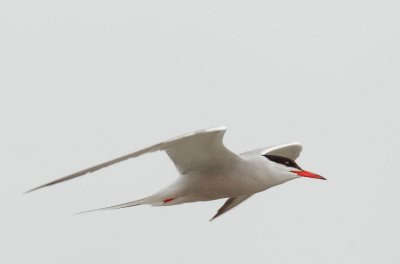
(197, 150)
(200, 151)
(289, 150)
(229, 204)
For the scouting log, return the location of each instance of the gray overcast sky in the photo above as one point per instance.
(85, 81)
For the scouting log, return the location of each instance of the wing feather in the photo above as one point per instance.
(230, 204)
(191, 151)
(289, 150)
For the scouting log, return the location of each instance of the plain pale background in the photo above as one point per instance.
(86, 81)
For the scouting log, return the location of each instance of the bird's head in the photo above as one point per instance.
(288, 168)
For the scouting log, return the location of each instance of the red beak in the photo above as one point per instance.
(308, 174)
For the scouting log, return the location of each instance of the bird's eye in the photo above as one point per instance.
(287, 163)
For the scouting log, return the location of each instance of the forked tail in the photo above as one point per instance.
(152, 200)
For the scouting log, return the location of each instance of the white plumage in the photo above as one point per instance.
(209, 171)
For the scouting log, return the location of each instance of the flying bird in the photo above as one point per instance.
(209, 171)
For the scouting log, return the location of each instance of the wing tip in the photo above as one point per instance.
(213, 218)
(44, 185)
(292, 143)
(218, 128)
(297, 144)
(35, 189)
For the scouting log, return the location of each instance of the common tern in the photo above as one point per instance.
(209, 171)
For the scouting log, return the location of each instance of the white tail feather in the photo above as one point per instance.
(148, 200)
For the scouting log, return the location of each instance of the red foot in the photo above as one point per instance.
(168, 200)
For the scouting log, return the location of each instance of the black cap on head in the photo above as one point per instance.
(283, 160)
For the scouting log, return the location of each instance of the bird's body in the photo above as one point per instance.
(244, 176)
(209, 171)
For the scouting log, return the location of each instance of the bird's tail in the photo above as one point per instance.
(152, 200)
